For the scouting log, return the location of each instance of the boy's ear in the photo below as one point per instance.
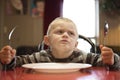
(46, 40)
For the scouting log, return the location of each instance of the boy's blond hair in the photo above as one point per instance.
(59, 20)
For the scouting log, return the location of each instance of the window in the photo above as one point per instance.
(85, 15)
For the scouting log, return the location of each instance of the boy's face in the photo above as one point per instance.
(62, 36)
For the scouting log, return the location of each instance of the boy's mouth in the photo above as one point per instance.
(64, 41)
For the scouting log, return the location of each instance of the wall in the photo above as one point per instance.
(113, 37)
(1, 23)
(29, 30)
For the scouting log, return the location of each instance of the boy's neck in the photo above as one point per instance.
(61, 54)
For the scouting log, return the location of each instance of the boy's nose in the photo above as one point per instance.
(65, 34)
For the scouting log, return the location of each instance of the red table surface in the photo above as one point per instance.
(94, 73)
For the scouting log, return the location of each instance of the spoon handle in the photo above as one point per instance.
(106, 28)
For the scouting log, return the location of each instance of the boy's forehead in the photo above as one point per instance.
(64, 25)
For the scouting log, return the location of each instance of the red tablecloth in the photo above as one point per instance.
(94, 73)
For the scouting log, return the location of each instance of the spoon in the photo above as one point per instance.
(10, 34)
(9, 38)
(106, 29)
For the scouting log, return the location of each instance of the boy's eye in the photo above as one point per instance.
(59, 32)
(70, 33)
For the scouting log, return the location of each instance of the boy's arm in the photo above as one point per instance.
(96, 60)
(116, 65)
(8, 60)
(20, 60)
(109, 58)
(9, 66)
(33, 58)
(7, 54)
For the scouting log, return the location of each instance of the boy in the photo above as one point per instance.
(62, 41)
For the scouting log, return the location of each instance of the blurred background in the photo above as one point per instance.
(32, 17)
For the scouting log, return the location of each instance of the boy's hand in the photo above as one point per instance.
(107, 55)
(7, 54)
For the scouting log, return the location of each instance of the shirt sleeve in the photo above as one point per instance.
(96, 60)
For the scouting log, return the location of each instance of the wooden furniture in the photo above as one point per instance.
(93, 73)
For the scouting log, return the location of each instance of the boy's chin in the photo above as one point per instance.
(64, 48)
